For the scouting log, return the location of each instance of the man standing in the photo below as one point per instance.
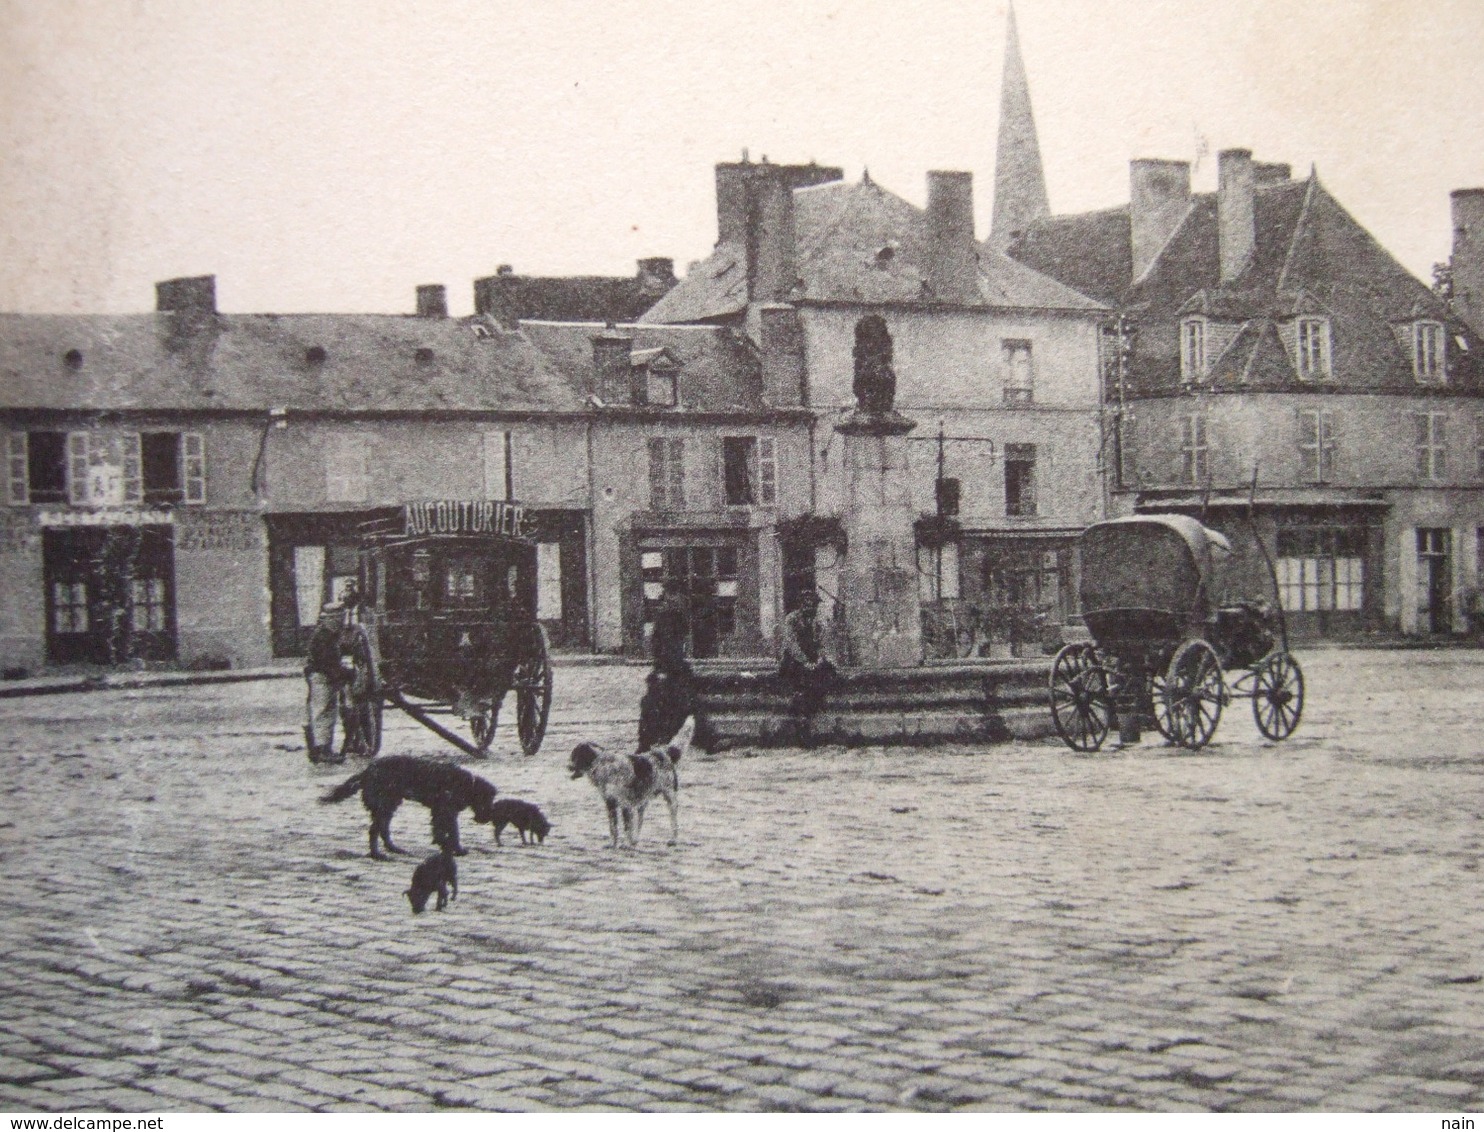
(803, 668)
(325, 676)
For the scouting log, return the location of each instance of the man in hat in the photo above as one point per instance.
(803, 668)
(325, 675)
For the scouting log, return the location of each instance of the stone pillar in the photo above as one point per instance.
(878, 579)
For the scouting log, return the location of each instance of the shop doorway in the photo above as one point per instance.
(110, 594)
(1434, 579)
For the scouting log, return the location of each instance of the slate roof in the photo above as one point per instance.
(857, 243)
(370, 363)
(1310, 257)
(571, 298)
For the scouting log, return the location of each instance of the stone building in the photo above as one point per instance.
(187, 485)
(997, 362)
(1278, 362)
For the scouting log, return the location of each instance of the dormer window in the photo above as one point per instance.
(1193, 350)
(1313, 350)
(1429, 353)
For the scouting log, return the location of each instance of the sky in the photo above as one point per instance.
(332, 156)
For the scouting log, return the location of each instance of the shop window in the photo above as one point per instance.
(148, 605)
(749, 471)
(705, 579)
(937, 573)
(1321, 568)
(666, 473)
(69, 607)
(1020, 479)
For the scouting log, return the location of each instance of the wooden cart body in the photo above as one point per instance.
(445, 617)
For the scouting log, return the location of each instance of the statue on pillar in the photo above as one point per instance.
(875, 384)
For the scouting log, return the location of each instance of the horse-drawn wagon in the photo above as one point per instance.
(1169, 644)
(444, 623)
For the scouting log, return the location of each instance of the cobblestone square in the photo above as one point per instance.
(1253, 927)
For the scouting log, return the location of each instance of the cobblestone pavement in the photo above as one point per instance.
(1288, 927)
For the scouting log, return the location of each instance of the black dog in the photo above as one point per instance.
(440, 874)
(443, 787)
(523, 816)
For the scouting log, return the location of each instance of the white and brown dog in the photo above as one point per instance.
(628, 782)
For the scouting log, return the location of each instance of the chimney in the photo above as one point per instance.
(773, 268)
(1158, 199)
(656, 275)
(781, 337)
(490, 296)
(432, 301)
(754, 211)
(612, 366)
(1236, 220)
(953, 258)
(195, 294)
(1272, 172)
(1468, 256)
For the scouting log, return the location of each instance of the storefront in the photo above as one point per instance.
(714, 574)
(109, 584)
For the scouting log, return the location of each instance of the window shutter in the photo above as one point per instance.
(1440, 445)
(18, 464)
(767, 471)
(1421, 432)
(193, 466)
(77, 468)
(1326, 446)
(677, 474)
(658, 481)
(1310, 457)
(133, 466)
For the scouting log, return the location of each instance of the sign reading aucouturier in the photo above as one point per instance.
(465, 517)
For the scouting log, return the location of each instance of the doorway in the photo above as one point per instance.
(110, 594)
(1434, 579)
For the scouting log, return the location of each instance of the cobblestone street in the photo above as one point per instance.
(1254, 927)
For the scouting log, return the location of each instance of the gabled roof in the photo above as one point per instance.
(1310, 257)
(370, 363)
(857, 243)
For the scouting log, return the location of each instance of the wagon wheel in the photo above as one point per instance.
(1162, 721)
(1081, 706)
(360, 698)
(1194, 693)
(1277, 695)
(482, 726)
(532, 686)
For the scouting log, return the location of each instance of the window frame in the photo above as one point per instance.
(1195, 449)
(1316, 446)
(1314, 364)
(666, 473)
(1435, 372)
(1430, 444)
(1194, 363)
(1027, 501)
(1016, 391)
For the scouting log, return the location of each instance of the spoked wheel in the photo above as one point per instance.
(482, 727)
(360, 699)
(532, 686)
(1277, 695)
(1162, 721)
(1081, 706)
(1194, 694)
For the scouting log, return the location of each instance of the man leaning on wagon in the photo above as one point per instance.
(326, 675)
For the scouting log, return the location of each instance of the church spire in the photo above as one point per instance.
(1019, 181)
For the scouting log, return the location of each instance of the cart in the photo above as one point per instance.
(1166, 648)
(444, 623)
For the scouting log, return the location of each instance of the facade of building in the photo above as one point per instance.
(1281, 375)
(188, 485)
(998, 362)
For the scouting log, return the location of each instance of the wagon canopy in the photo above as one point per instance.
(1148, 563)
